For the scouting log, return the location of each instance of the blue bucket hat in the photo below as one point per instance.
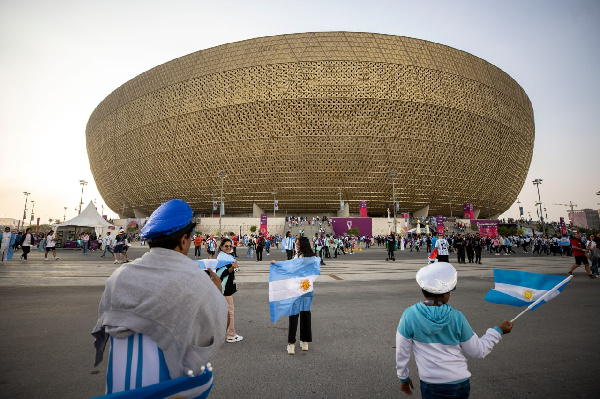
(168, 218)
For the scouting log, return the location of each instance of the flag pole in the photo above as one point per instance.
(556, 287)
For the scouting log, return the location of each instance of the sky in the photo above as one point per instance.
(59, 59)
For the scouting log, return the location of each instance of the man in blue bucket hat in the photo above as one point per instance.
(162, 307)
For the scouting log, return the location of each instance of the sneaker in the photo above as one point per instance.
(291, 349)
(304, 345)
(115, 262)
(46, 259)
(592, 276)
(570, 273)
(55, 258)
(237, 338)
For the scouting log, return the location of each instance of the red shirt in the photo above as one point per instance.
(576, 244)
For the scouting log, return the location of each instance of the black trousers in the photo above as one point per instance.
(26, 250)
(461, 255)
(391, 254)
(443, 258)
(289, 253)
(305, 330)
(477, 255)
(259, 253)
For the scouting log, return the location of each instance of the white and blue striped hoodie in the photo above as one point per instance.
(438, 335)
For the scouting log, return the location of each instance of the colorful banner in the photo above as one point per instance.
(37, 226)
(222, 208)
(363, 209)
(276, 205)
(439, 222)
(578, 219)
(342, 225)
(468, 211)
(563, 228)
(263, 223)
(487, 228)
(214, 206)
(521, 211)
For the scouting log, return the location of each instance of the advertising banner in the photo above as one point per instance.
(222, 208)
(276, 205)
(214, 206)
(439, 222)
(563, 228)
(342, 205)
(37, 226)
(487, 228)
(263, 223)
(405, 216)
(342, 225)
(363, 209)
(578, 219)
(468, 211)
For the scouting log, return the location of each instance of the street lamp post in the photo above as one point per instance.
(537, 183)
(25, 209)
(32, 208)
(222, 174)
(450, 207)
(65, 214)
(392, 175)
(274, 194)
(83, 184)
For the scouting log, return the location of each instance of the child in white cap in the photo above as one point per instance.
(438, 334)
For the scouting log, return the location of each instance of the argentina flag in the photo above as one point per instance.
(214, 264)
(518, 288)
(137, 369)
(291, 286)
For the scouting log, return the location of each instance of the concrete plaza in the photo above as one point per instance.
(48, 309)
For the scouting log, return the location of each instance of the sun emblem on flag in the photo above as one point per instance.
(528, 296)
(305, 285)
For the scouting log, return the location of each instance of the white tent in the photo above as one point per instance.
(89, 217)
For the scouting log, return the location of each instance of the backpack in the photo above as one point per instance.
(261, 242)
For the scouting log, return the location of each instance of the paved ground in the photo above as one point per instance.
(49, 307)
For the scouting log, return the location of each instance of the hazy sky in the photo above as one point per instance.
(60, 59)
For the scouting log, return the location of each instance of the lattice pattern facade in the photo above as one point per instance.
(309, 116)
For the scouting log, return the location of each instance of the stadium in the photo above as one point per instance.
(310, 119)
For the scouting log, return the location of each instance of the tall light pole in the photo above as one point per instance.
(83, 184)
(274, 194)
(450, 207)
(519, 206)
(392, 175)
(32, 207)
(65, 214)
(222, 174)
(25, 209)
(537, 182)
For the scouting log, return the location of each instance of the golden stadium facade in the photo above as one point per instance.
(310, 116)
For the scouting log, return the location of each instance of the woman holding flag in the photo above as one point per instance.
(229, 287)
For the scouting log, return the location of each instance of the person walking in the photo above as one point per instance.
(579, 255)
(197, 246)
(443, 248)
(108, 245)
(26, 244)
(289, 245)
(260, 244)
(50, 245)
(391, 247)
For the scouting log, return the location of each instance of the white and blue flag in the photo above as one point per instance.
(291, 286)
(137, 369)
(214, 264)
(518, 288)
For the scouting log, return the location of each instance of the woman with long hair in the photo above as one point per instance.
(229, 287)
(303, 250)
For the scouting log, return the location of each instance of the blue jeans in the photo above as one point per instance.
(435, 391)
(107, 248)
(85, 246)
(594, 267)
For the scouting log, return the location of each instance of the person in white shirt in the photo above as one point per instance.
(108, 243)
(50, 245)
(28, 241)
(289, 245)
(442, 247)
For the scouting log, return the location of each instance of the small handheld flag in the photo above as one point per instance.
(213, 264)
(291, 286)
(432, 256)
(519, 289)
